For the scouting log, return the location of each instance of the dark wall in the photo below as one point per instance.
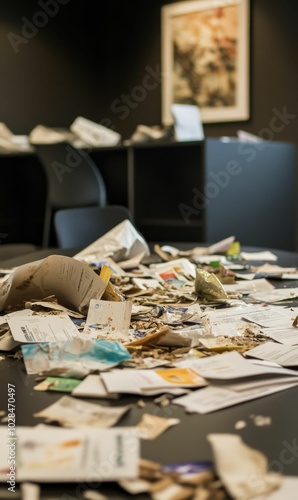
(75, 61)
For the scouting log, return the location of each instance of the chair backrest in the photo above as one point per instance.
(73, 180)
(79, 227)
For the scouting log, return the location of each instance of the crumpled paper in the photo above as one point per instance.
(243, 470)
(121, 243)
(208, 286)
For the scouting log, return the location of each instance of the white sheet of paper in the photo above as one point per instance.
(22, 312)
(265, 255)
(287, 336)
(258, 383)
(270, 316)
(275, 269)
(250, 286)
(75, 455)
(214, 398)
(187, 122)
(72, 412)
(231, 365)
(121, 243)
(276, 295)
(144, 382)
(92, 387)
(45, 328)
(230, 321)
(284, 355)
(108, 320)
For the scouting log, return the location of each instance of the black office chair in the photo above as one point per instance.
(79, 227)
(73, 180)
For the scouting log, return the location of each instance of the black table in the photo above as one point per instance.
(182, 443)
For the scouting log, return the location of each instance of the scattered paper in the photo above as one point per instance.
(283, 335)
(71, 412)
(244, 470)
(232, 365)
(276, 295)
(93, 387)
(73, 283)
(121, 243)
(269, 316)
(58, 384)
(152, 426)
(284, 355)
(73, 359)
(72, 455)
(108, 319)
(213, 398)
(148, 382)
(43, 328)
(265, 255)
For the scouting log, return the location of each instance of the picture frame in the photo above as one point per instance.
(205, 58)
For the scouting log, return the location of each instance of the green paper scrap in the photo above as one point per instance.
(58, 384)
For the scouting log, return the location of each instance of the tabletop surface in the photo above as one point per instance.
(186, 442)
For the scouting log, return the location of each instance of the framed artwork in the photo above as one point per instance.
(205, 58)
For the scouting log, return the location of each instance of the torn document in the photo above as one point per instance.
(72, 282)
(108, 320)
(43, 328)
(71, 412)
(73, 359)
